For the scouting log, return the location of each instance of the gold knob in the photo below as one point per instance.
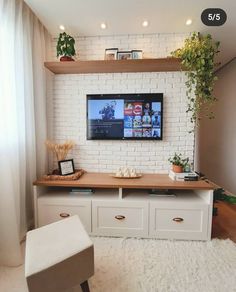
(120, 217)
(178, 219)
(64, 215)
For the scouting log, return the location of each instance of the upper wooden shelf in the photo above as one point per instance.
(115, 66)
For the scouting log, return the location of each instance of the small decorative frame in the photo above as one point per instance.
(66, 167)
(124, 55)
(137, 54)
(111, 54)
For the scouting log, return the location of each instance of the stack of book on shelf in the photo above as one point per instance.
(183, 176)
(82, 191)
(161, 193)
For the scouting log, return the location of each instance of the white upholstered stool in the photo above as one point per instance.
(59, 256)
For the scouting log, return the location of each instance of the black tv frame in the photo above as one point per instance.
(137, 96)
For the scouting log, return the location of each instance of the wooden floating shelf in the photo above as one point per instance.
(115, 66)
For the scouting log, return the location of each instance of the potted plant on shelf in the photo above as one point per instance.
(65, 47)
(197, 57)
(178, 163)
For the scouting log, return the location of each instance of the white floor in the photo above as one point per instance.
(144, 265)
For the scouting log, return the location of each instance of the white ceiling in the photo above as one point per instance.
(83, 17)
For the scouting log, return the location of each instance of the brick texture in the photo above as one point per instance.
(67, 114)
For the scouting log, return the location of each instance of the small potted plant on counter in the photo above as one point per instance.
(65, 47)
(178, 163)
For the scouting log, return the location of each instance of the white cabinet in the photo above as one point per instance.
(186, 215)
(189, 223)
(120, 218)
(55, 207)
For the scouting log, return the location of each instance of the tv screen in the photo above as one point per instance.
(125, 116)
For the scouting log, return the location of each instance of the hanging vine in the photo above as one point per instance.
(198, 55)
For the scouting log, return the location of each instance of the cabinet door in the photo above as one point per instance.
(120, 218)
(51, 210)
(178, 223)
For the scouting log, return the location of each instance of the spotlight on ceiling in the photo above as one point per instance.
(62, 27)
(145, 23)
(188, 21)
(103, 25)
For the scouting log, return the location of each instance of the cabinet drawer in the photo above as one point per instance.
(50, 211)
(120, 218)
(184, 223)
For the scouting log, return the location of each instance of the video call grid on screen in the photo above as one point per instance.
(125, 116)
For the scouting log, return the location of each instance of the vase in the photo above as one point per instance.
(66, 58)
(177, 168)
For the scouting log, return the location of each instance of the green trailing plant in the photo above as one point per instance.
(220, 195)
(178, 160)
(65, 45)
(197, 57)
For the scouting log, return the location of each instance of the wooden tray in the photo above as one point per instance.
(126, 177)
(78, 173)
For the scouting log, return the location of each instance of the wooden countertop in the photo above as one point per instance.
(147, 181)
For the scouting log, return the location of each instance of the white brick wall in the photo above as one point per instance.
(69, 107)
(153, 45)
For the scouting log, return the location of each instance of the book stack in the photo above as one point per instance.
(82, 191)
(161, 193)
(183, 176)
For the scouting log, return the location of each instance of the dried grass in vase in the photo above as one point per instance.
(60, 150)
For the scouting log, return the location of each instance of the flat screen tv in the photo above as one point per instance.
(125, 116)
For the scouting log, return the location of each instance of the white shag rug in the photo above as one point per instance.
(149, 265)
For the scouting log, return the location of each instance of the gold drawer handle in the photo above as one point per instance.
(64, 215)
(178, 219)
(120, 217)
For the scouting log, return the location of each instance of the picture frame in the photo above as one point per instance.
(66, 167)
(137, 54)
(124, 55)
(111, 54)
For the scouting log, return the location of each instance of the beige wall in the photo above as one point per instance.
(216, 139)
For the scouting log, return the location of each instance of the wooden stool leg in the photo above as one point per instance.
(85, 286)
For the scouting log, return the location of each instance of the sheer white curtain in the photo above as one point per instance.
(23, 43)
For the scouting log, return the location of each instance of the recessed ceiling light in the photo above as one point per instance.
(145, 23)
(188, 21)
(103, 25)
(62, 27)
